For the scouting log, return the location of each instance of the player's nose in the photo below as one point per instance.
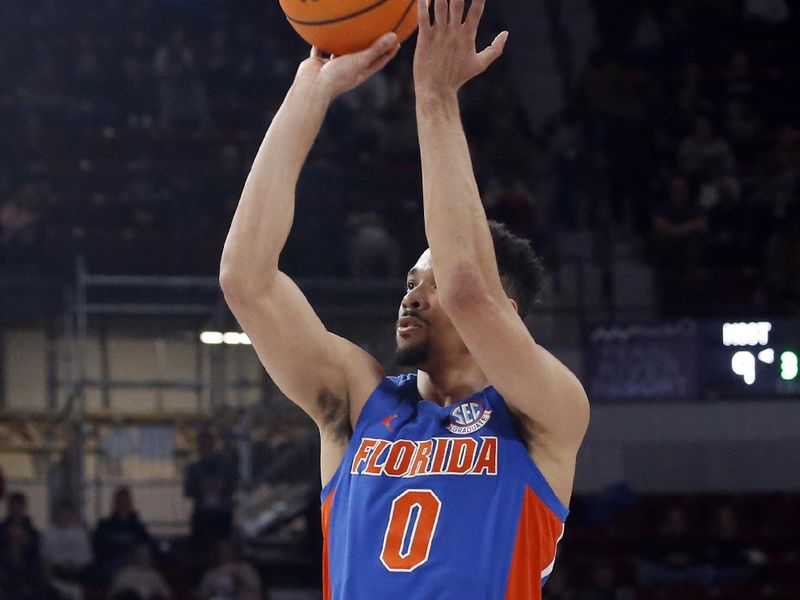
(414, 299)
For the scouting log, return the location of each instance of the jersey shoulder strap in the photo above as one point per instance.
(390, 394)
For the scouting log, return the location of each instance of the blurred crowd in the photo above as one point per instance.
(692, 108)
(120, 559)
(622, 546)
(130, 126)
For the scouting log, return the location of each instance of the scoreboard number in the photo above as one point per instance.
(789, 366)
(756, 337)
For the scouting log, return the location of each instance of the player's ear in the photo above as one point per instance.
(514, 304)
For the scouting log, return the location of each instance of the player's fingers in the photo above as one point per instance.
(382, 61)
(440, 13)
(315, 53)
(379, 47)
(475, 14)
(456, 12)
(423, 15)
(493, 52)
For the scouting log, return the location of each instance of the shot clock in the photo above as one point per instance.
(763, 354)
(693, 360)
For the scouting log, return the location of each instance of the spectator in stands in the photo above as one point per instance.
(703, 153)
(783, 264)
(210, 483)
(678, 225)
(181, 91)
(372, 254)
(617, 123)
(21, 577)
(220, 60)
(365, 107)
(140, 576)
(772, 12)
(625, 112)
(739, 80)
(691, 96)
(512, 202)
(231, 578)
(742, 128)
(18, 531)
(735, 245)
(603, 585)
(137, 93)
(730, 555)
(66, 546)
(783, 161)
(673, 557)
(118, 535)
(20, 237)
(568, 148)
(678, 230)
(558, 585)
(647, 39)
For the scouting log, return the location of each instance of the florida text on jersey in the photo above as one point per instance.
(437, 503)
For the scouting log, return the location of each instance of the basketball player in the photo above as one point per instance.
(453, 482)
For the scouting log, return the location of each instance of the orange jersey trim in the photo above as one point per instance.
(326, 522)
(538, 535)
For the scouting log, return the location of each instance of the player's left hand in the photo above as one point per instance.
(337, 75)
(446, 58)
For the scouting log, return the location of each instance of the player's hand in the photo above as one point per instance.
(446, 58)
(340, 74)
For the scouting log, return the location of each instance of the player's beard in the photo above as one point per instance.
(412, 355)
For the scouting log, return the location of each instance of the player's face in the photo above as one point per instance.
(423, 328)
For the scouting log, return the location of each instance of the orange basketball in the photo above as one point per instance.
(344, 26)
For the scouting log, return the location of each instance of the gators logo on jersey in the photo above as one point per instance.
(468, 417)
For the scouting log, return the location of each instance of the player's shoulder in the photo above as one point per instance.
(395, 387)
(387, 394)
(402, 380)
(359, 365)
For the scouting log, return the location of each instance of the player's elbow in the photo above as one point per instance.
(239, 286)
(230, 281)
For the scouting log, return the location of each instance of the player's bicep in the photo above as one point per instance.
(529, 378)
(307, 363)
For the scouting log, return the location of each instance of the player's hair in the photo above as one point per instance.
(521, 270)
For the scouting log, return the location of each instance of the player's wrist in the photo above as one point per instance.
(312, 88)
(436, 94)
(436, 101)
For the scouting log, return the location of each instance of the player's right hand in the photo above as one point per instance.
(340, 74)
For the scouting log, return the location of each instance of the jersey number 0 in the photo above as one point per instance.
(412, 523)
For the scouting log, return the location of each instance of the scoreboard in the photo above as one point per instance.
(691, 359)
(754, 358)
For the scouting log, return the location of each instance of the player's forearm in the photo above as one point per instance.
(265, 212)
(455, 220)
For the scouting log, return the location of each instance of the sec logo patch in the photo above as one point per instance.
(468, 417)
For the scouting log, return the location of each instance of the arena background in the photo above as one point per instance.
(650, 150)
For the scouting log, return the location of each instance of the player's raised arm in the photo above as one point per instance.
(469, 286)
(311, 366)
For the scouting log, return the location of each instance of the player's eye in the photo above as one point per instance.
(410, 286)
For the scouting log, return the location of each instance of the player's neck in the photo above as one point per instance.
(451, 385)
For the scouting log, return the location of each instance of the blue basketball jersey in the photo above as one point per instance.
(437, 503)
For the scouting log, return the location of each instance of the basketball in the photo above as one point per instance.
(344, 26)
